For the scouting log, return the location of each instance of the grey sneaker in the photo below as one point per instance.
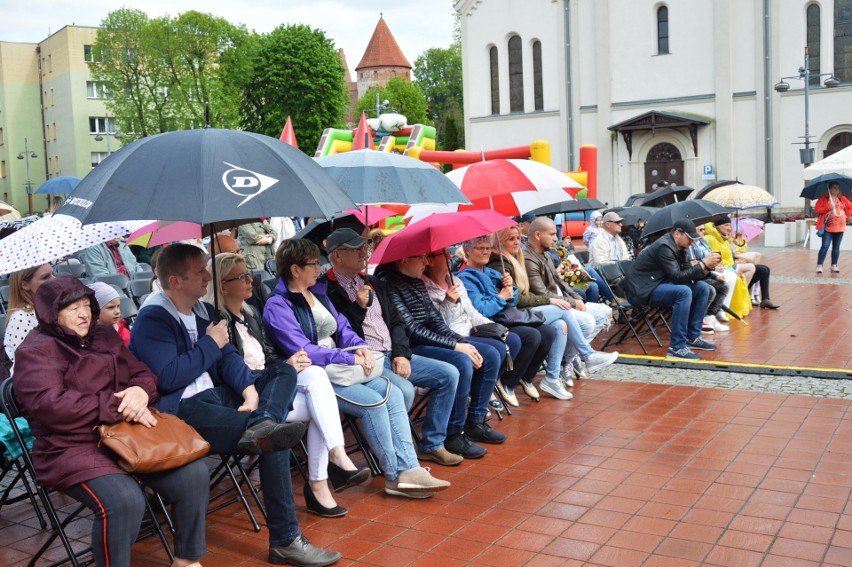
(598, 360)
(682, 354)
(567, 375)
(555, 389)
(579, 368)
(700, 344)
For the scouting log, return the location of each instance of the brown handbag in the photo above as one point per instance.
(170, 444)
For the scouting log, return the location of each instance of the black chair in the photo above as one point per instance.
(582, 255)
(138, 288)
(128, 310)
(143, 275)
(118, 280)
(227, 468)
(632, 318)
(270, 267)
(12, 410)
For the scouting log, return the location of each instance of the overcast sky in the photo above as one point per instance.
(417, 25)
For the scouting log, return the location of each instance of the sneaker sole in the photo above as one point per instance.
(593, 369)
(555, 393)
(675, 357)
(420, 489)
(693, 347)
(416, 495)
(281, 440)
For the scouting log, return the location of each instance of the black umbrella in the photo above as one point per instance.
(818, 186)
(572, 206)
(697, 211)
(635, 199)
(205, 176)
(318, 229)
(633, 215)
(666, 196)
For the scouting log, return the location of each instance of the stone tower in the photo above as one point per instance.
(383, 60)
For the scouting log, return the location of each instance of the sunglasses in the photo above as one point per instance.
(245, 277)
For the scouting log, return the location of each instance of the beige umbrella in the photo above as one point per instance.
(8, 212)
(736, 196)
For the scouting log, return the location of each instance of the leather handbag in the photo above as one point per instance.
(490, 331)
(170, 444)
(511, 315)
(349, 374)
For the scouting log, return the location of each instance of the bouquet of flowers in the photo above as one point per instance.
(571, 270)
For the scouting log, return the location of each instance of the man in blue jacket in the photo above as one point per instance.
(203, 380)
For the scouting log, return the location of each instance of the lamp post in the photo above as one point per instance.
(116, 135)
(26, 155)
(806, 155)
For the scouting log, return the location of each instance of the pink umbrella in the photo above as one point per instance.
(163, 232)
(370, 213)
(437, 232)
(750, 227)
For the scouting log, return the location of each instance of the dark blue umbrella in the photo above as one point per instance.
(209, 176)
(698, 211)
(818, 186)
(59, 185)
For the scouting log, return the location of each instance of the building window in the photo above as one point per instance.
(54, 131)
(495, 81)
(52, 98)
(813, 42)
(538, 88)
(88, 54)
(47, 132)
(3, 168)
(837, 143)
(662, 30)
(843, 40)
(95, 89)
(98, 157)
(516, 75)
(99, 125)
(1, 135)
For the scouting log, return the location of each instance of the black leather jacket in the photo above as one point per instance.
(661, 262)
(423, 323)
(253, 322)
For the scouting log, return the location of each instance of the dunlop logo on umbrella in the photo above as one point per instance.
(84, 203)
(246, 183)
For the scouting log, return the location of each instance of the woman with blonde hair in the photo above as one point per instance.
(21, 316)
(315, 401)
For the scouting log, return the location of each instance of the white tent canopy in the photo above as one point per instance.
(839, 162)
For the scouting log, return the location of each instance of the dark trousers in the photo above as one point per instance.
(721, 289)
(535, 344)
(118, 504)
(761, 275)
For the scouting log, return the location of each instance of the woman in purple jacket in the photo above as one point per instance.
(72, 374)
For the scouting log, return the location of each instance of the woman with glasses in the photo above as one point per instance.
(314, 403)
(300, 318)
(490, 292)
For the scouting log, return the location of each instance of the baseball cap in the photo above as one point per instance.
(526, 217)
(688, 227)
(612, 217)
(345, 237)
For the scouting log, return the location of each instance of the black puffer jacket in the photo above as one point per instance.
(423, 323)
(661, 262)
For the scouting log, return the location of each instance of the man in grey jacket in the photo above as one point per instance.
(109, 258)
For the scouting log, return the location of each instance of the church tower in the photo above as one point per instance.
(383, 60)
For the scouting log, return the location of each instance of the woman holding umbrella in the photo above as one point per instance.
(834, 211)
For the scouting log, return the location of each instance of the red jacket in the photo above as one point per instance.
(823, 206)
(65, 386)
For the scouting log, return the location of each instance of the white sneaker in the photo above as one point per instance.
(555, 389)
(717, 326)
(599, 360)
(722, 316)
(819, 268)
(707, 325)
(579, 368)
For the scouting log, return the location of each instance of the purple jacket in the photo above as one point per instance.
(291, 327)
(65, 386)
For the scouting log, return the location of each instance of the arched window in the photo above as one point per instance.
(662, 30)
(495, 81)
(843, 40)
(538, 88)
(516, 75)
(838, 142)
(813, 30)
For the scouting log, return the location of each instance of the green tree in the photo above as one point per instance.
(298, 73)
(404, 97)
(438, 72)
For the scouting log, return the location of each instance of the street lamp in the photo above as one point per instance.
(26, 155)
(806, 155)
(117, 135)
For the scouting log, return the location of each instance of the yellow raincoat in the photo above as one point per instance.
(741, 299)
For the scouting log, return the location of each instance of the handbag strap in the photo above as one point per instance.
(373, 405)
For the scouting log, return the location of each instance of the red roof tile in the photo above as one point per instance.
(383, 51)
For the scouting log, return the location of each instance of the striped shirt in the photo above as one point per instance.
(376, 332)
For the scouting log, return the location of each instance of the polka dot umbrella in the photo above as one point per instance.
(54, 237)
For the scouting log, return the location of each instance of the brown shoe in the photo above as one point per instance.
(766, 304)
(440, 456)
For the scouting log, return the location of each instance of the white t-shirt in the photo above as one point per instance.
(203, 382)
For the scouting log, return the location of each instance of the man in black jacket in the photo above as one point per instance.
(661, 275)
(373, 316)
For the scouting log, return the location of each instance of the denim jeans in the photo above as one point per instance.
(568, 340)
(442, 380)
(603, 289)
(476, 384)
(689, 304)
(213, 413)
(386, 427)
(117, 502)
(830, 239)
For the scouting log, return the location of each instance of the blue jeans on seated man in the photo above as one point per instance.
(603, 289)
(386, 426)
(442, 380)
(476, 384)
(689, 305)
(213, 413)
(569, 338)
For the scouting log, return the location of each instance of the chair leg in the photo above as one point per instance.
(362, 445)
(227, 469)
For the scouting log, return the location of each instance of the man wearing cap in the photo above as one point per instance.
(370, 311)
(524, 224)
(609, 246)
(662, 276)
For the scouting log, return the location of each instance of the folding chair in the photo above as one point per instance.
(128, 310)
(632, 317)
(118, 280)
(10, 407)
(228, 467)
(270, 267)
(141, 274)
(138, 288)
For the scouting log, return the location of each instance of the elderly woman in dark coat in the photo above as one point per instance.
(72, 374)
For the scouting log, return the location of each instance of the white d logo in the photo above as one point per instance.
(246, 183)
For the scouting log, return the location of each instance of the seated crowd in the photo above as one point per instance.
(327, 347)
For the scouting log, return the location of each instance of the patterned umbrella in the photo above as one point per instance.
(736, 196)
(54, 237)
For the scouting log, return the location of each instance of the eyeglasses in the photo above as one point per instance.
(245, 277)
(615, 221)
(316, 264)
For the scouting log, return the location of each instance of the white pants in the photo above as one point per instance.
(316, 404)
(731, 278)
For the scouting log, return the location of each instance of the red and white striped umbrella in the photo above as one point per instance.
(502, 176)
(54, 237)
